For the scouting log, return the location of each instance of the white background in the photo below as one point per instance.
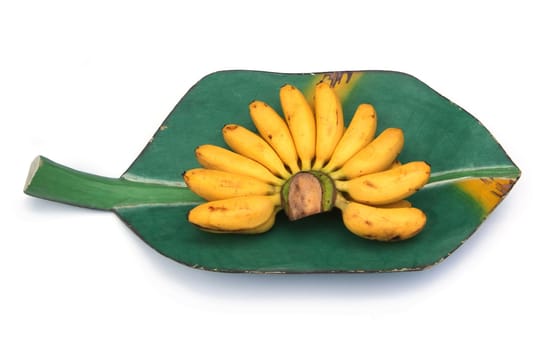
(87, 84)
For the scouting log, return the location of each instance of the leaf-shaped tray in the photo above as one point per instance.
(471, 174)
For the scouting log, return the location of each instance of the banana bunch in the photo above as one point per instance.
(306, 163)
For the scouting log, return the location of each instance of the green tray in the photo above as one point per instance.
(471, 174)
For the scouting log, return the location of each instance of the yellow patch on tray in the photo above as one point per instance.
(342, 83)
(487, 192)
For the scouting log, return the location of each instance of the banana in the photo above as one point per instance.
(275, 131)
(216, 184)
(301, 122)
(382, 224)
(218, 158)
(387, 186)
(249, 144)
(247, 214)
(264, 227)
(359, 133)
(329, 123)
(376, 156)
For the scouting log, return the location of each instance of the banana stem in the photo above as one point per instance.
(307, 193)
(52, 181)
(341, 202)
(341, 185)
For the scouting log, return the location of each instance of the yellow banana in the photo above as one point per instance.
(382, 224)
(329, 123)
(387, 186)
(249, 144)
(376, 156)
(301, 122)
(216, 184)
(218, 158)
(264, 227)
(275, 131)
(247, 214)
(359, 133)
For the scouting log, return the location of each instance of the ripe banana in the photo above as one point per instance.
(387, 186)
(216, 184)
(301, 122)
(218, 158)
(359, 133)
(264, 227)
(376, 156)
(247, 214)
(382, 224)
(275, 131)
(329, 123)
(249, 144)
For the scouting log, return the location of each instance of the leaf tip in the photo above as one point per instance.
(34, 166)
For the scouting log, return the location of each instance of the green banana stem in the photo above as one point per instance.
(307, 193)
(52, 181)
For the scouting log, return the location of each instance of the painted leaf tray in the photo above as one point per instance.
(471, 174)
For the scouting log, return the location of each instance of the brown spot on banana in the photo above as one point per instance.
(370, 184)
(214, 208)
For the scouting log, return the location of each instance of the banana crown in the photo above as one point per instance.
(307, 162)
